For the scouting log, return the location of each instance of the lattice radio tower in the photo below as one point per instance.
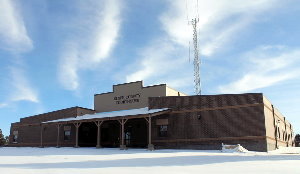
(197, 61)
(196, 57)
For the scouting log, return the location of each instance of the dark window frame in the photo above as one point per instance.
(163, 130)
(67, 137)
(15, 136)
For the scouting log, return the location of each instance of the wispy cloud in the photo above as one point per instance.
(100, 30)
(68, 67)
(265, 66)
(2, 105)
(21, 88)
(219, 23)
(153, 59)
(14, 38)
(160, 62)
(13, 33)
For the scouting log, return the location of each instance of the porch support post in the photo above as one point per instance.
(98, 123)
(77, 125)
(122, 122)
(58, 129)
(42, 130)
(150, 145)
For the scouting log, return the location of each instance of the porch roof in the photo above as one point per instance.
(113, 115)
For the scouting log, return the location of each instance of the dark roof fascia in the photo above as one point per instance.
(85, 108)
(214, 95)
(74, 107)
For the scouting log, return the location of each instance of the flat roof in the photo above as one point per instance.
(103, 115)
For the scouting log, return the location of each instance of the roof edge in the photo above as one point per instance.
(74, 107)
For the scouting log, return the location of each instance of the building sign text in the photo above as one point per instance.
(124, 99)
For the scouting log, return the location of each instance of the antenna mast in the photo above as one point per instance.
(197, 62)
(196, 57)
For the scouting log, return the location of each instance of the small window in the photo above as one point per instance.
(67, 135)
(15, 136)
(163, 131)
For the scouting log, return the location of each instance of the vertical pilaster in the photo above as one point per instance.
(275, 127)
(42, 130)
(58, 129)
(285, 133)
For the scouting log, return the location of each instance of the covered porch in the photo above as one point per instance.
(125, 128)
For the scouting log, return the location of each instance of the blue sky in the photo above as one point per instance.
(58, 54)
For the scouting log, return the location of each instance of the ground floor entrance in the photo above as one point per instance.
(110, 134)
(135, 133)
(87, 135)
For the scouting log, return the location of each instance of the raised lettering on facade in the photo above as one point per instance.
(125, 99)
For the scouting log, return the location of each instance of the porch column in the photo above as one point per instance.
(122, 122)
(98, 123)
(150, 145)
(42, 130)
(77, 125)
(58, 129)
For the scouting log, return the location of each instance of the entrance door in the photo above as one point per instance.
(110, 134)
(136, 133)
(128, 133)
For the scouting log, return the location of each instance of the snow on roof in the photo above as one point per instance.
(140, 111)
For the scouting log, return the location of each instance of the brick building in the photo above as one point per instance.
(159, 117)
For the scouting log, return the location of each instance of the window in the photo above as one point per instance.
(162, 127)
(15, 136)
(67, 135)
(163, 131)
(67, 132)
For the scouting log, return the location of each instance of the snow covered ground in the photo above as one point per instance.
(92, 161)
